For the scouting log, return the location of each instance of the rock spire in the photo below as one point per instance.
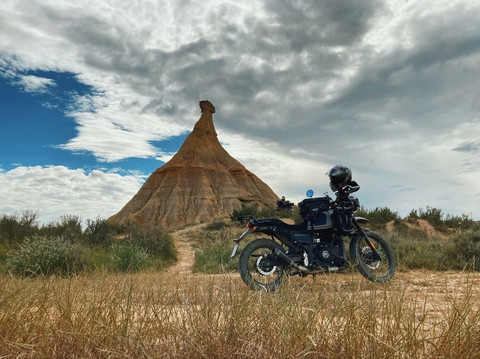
(201, 182)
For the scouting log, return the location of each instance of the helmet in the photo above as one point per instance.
(283, 198)
(339, 175)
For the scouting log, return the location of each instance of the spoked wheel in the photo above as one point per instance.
(259, 267)
(370, 267)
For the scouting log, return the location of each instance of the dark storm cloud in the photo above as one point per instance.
(302, 24)
(468, 147)
(430, 67)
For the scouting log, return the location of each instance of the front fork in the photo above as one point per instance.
(361, 234)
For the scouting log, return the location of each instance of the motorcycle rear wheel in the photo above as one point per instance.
(258, 266)
(374, 270)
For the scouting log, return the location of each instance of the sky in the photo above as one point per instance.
(95, 95)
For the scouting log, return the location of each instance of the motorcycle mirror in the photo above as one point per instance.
(310, 193)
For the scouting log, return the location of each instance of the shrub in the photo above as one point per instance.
(379, 215)
(42, 255)
(215, 248)
(214, 258)
(460, 222)
(69, 227)
(15, 228)
(101, 232)
(433, 215)
(463, 250)
(157, 241)
(215, 225)
(129, 257)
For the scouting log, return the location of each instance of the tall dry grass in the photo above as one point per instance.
(155, 316)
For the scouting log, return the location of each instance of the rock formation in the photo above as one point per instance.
(201, 182)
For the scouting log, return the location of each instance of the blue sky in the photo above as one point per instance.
(35, 125)
(95, 96)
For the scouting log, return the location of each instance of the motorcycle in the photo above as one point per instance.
(283, 205)
(317, 245)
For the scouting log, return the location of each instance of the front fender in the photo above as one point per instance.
(352, 250)
(361, 220)
(237, 241)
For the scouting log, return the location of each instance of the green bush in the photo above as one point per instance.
(214, 258)
(101, 232)
(415, 250)
(214, 249)
(42, 255)
(215, 225)
(379, 215)
(459, 222)
(462, 250)
(433, 215)
(129, 257)
(68, 227)
(15, 228)
(157, 241)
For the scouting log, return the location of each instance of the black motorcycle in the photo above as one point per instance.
(283, 205)
(317, 245)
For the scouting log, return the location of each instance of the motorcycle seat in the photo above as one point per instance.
(285, 226)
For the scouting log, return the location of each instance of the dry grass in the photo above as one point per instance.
(417, 315)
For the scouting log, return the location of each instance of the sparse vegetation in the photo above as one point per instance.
(214, 248)
(103, 314)
(379, 216)
(65, 247)
(151, 316)
(133, 247)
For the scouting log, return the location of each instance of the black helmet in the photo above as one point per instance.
(339, 175)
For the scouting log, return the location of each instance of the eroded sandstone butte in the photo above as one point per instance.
(200, 183)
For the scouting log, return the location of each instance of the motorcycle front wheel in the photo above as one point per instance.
(259, 267)
(371, 268)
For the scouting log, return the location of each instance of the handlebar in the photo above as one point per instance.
(350, 189)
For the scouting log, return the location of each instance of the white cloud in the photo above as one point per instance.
(56, 190)
(32, 83)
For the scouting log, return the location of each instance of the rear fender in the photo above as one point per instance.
(237, 241)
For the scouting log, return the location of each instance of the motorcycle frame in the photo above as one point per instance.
(354, 237)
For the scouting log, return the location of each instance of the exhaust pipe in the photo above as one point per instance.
(282, 255)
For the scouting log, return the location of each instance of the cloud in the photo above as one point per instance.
(32, 83)
(468, 147)
(54, 191)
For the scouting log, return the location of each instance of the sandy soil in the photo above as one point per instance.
(420, 224)
(429, 291)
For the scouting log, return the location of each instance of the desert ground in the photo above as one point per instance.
(430, 290)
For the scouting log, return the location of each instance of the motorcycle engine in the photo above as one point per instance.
(329, 254)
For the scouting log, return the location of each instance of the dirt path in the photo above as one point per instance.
(186, 252)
